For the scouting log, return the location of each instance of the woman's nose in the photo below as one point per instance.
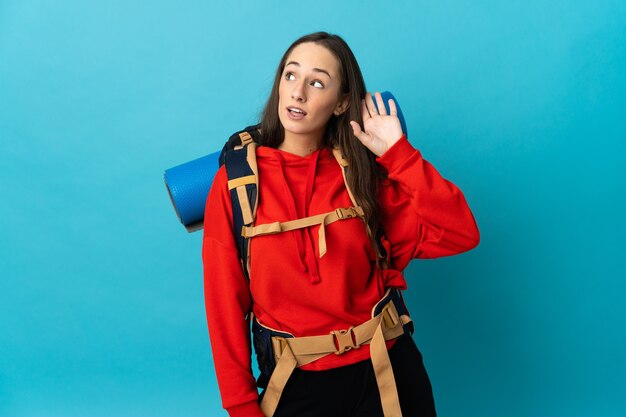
(297, 93)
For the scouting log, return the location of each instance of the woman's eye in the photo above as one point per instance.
(290, 74)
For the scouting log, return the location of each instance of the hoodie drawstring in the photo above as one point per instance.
(306, 251)
(292, 212)
(310, 253)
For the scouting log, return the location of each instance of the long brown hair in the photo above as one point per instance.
(364, 173)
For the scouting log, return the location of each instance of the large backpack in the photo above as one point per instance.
(239, 156)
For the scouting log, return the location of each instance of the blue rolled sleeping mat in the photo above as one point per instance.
(188, 184)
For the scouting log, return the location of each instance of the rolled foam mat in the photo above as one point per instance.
(188, 185)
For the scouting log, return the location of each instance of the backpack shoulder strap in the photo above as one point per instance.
(381, 251)
(239, 156)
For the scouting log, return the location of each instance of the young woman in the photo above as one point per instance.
(325, 283)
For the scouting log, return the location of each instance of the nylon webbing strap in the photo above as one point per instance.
(300, 351)
(237, 182)
(344, 166)
(339, 157)
(246, 138)
(244, 202)
(320, 219)
(241, 169)
(251, 159)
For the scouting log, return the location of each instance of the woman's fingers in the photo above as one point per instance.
(382, 110)
(393, 111)
(376, 146)
(379, 108)
(379, 124)
(370, 105)
(356, 129)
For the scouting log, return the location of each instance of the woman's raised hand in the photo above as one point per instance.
(381, 130)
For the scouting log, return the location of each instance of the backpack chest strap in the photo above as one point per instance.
(320, 219)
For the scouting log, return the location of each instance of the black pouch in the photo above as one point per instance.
(262, 340)
(396, 296)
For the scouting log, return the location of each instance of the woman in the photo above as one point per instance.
(307, 283)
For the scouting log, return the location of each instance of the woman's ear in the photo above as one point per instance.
(342, 106)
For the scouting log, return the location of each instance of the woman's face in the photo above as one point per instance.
(310, 82)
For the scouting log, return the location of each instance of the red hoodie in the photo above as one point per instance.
(296, 291)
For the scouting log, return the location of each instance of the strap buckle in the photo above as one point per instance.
(278, 345)
(390, 315)
(345, 213)
(246, 138)
(345, 340)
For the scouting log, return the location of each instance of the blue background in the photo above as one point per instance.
(522, 104)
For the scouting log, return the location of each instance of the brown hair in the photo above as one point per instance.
(364, 173)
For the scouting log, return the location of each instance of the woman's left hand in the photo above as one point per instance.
(382, 130)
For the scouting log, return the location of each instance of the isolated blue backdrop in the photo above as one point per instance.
(520, 103)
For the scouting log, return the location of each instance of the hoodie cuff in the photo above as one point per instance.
(398, 154)
(251, 409)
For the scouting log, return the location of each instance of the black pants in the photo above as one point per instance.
(351, 391)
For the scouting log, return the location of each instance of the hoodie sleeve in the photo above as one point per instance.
(227, 301)
(424, 215)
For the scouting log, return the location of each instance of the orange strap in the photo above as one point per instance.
(345, 164)
(320, 219)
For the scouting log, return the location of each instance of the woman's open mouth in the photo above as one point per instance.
(295, 113)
